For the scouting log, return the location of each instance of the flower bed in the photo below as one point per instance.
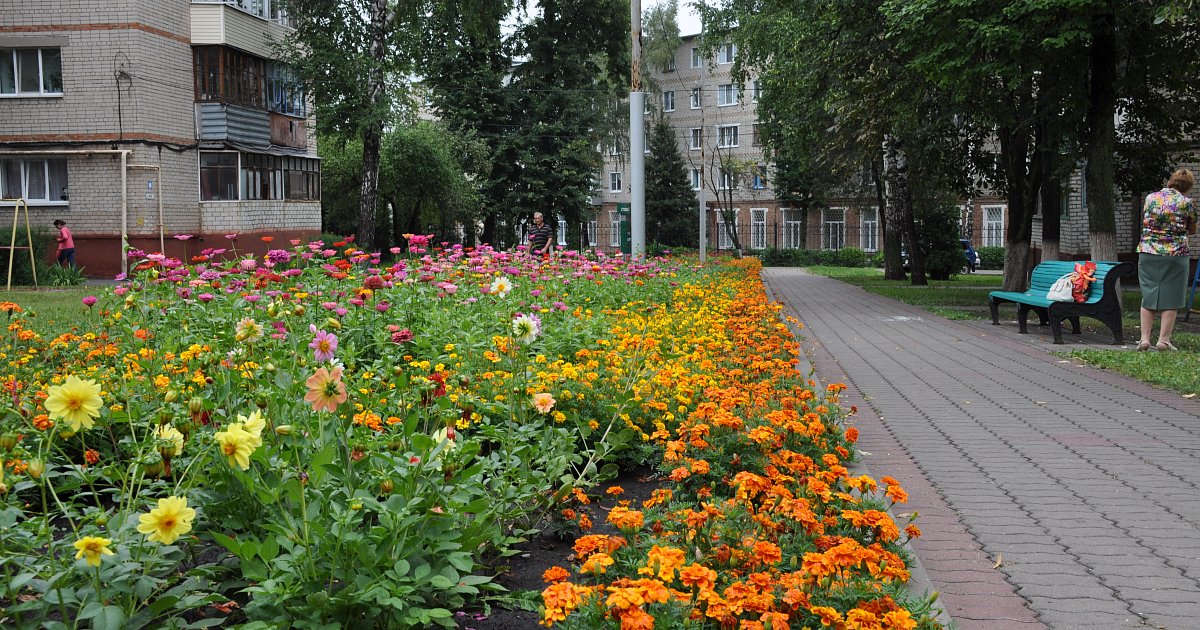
(763, 526)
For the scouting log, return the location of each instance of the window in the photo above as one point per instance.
(696, 59)
(591, 233)
(694, 138)
(614, 229)
(758, 180)
(669, 101)
(670, 66)
(262, 176)
(726, 53)
(562, 232)
(614, 181)
(833, 228)
(758, 228)
(993, 226)
(302, 177)
(218, 176)
(614, 149)
(756, 91)
(31, 72)
(727, 180)
(756, 140)
(225, 75)
(696, 179)
(726, 95)
(695, 98)
(727, 136)
(793, 229)
(869, 239)
(41, 181)
(285, 91)
(723, 239)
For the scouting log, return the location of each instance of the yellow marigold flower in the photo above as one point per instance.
(77, 401)
(92, 547)
(167, 522)
(237, 444)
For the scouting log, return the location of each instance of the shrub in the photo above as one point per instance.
(851, 257)
(22, 273)
(64, 276)
(937, 228)
(991, 257)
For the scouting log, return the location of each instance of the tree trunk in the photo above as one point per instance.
(900, 206)
(1051, 195)
(373, 132)
(1023, 176)
(1101, 141)
(893, 266)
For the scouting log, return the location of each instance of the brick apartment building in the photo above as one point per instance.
(213, 133)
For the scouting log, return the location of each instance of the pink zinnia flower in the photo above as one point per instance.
(205, 297)
(183, 237)
(382, 307)
(402, 336)
(89, 301)
(121, 290)
(232, 237)
(324, 345)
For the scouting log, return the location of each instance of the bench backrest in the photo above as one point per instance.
(1047, 272)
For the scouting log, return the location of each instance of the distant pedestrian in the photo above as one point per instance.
(541, 238)
(66, 244)
(1168, 217)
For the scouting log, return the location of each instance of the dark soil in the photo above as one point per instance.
(524, 571)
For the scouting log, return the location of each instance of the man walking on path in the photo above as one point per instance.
(1050, 494)
(541, 237)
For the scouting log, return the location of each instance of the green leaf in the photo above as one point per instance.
(110, 618)
(233, 545)
(268, 549)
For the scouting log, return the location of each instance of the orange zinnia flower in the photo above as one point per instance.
(326, 389)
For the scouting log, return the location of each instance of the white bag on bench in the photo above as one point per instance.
(1060, 291)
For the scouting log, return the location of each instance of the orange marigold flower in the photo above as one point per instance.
(580, 496)
(569, 514)
(585, 522)
(681, 473)
(596, 563)
(587, 545)
(559, 600)
(765, 552)
(42, 422)
(658, 497)
(91, 456)
(555, 574)
(653, 591)
(857, 618)
(615, 491)
(698, 576)
(899, 620)
(700, 467)
(913, 531)
(625, 519)
(776, 620)
(852, 435)
(636, 619)
(897, 494)
(622, 597)
(829, 616)
(266, 239)
(662, 562)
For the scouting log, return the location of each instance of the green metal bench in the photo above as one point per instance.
(1102, 303)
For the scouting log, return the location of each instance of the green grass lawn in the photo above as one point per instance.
(53, 309)
(964, 298)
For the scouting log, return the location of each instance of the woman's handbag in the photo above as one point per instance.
(1060, 291)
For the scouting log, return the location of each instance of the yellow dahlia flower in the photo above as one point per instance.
(77, 401)
(167, 522)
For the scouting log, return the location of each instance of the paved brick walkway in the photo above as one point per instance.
(1079, 483)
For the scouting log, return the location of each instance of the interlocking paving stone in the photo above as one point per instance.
(1081, 483)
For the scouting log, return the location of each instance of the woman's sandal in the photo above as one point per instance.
(1143, 346)
(1165, 345)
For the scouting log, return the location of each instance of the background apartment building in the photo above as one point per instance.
(180, 100)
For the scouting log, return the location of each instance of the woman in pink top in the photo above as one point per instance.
(66, 244)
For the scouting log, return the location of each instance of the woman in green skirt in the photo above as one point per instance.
(1168, 217)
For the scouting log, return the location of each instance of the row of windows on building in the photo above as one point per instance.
(727, 179)
(727, 95)
(224, 176)
(728, 137)
(221, 74)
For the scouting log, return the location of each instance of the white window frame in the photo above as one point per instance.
(697, 180)
(614, 232)
(695, 137)
(695, 98)
(758, 228)
(25, 167)
(793, 228)
(614, 181)
(562, 232)
(869, 229)
(993, 227)
(726, 53)
(833, 228)
(727, 180)
(727, 95)
(727, 136)
(697, 60)
(668, 100)
(41, 92)
(723, 240)
(591, 233)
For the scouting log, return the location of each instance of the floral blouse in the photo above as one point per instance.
(1164, 223)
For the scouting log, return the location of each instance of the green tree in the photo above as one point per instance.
(671, 204)
(351, 54)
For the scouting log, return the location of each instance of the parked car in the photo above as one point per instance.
(970, 254)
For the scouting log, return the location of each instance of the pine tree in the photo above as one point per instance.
(671, 204)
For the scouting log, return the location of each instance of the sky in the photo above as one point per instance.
(689, 22)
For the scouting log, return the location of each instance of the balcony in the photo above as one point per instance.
(248, 25)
